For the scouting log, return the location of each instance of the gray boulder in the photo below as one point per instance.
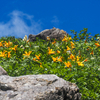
(2, 71)
(37, 87)
(52, 33)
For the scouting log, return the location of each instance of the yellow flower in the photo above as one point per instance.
(78, 58)
(1, 44)
(15, 47)
(68, 64)
(54, 59)
(97, 44)
(60, 59)
(41, 66)
(72, 45)
(38, 57)
(85, 60)
(57, 59)
(92, 52)
(54, 42)
(8, 44)
(65, 39)
(27, 54)
(48, 38)
(2, 54)
(9, 54)
(72, 57)
(70, 38)
(68, 48)
(80, 63)
(50, 51)
(58, 51)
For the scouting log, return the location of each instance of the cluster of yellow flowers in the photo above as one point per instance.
(50, 51)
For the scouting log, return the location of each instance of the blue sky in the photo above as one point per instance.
(23, 17)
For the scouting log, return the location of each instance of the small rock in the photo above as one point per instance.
(2, 71)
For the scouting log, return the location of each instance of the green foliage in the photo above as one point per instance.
(86, 77)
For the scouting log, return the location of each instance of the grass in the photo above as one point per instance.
(81, 66)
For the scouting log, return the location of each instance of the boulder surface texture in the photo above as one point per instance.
(51, 33)
(36, 87)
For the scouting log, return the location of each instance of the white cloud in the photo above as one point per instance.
(55, 21)
(18, 27)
